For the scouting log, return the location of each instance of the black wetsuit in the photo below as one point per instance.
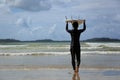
(75, 45)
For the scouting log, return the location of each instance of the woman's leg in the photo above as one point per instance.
(78, 56)
(73, 58)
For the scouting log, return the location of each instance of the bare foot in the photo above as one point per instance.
(77, 69)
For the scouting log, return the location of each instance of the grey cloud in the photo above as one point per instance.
(63, 3)
(36, 5)
(30, 5)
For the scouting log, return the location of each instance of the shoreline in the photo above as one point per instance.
(51, 68)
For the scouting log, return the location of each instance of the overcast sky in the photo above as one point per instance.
(45, 19)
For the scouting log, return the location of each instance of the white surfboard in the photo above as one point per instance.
(79, 21)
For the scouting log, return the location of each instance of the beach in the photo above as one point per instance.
(52, 61)
(50, 67)
(59, 74)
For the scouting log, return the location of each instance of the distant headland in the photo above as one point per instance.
(50, 40)
(102, 40)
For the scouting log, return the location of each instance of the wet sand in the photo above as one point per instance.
(108, 61)
(52, 67)
(60, 74)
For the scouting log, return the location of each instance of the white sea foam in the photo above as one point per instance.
(60, 53)
(35, 53)
(10, 46)
(58, 49)
(91, 47)
(106, 44)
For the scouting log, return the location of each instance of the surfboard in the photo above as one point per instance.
(79, 21)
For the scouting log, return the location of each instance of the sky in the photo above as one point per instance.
(45, 19)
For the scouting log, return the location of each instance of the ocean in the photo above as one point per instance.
(52, 60)
(57, 55)
(56, 48)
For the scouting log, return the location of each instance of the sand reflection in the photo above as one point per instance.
(76, 76)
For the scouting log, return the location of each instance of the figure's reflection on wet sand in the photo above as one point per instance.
(76, 76)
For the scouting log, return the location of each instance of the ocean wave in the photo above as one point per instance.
(58, 53)
(11, 46)
(105, 44)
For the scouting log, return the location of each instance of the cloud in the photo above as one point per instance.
(117, 17)
(29, 5)
(61, 2)
(52, 29)
(35, 5)
(23, 22)
(4, 9)
(101, 16)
